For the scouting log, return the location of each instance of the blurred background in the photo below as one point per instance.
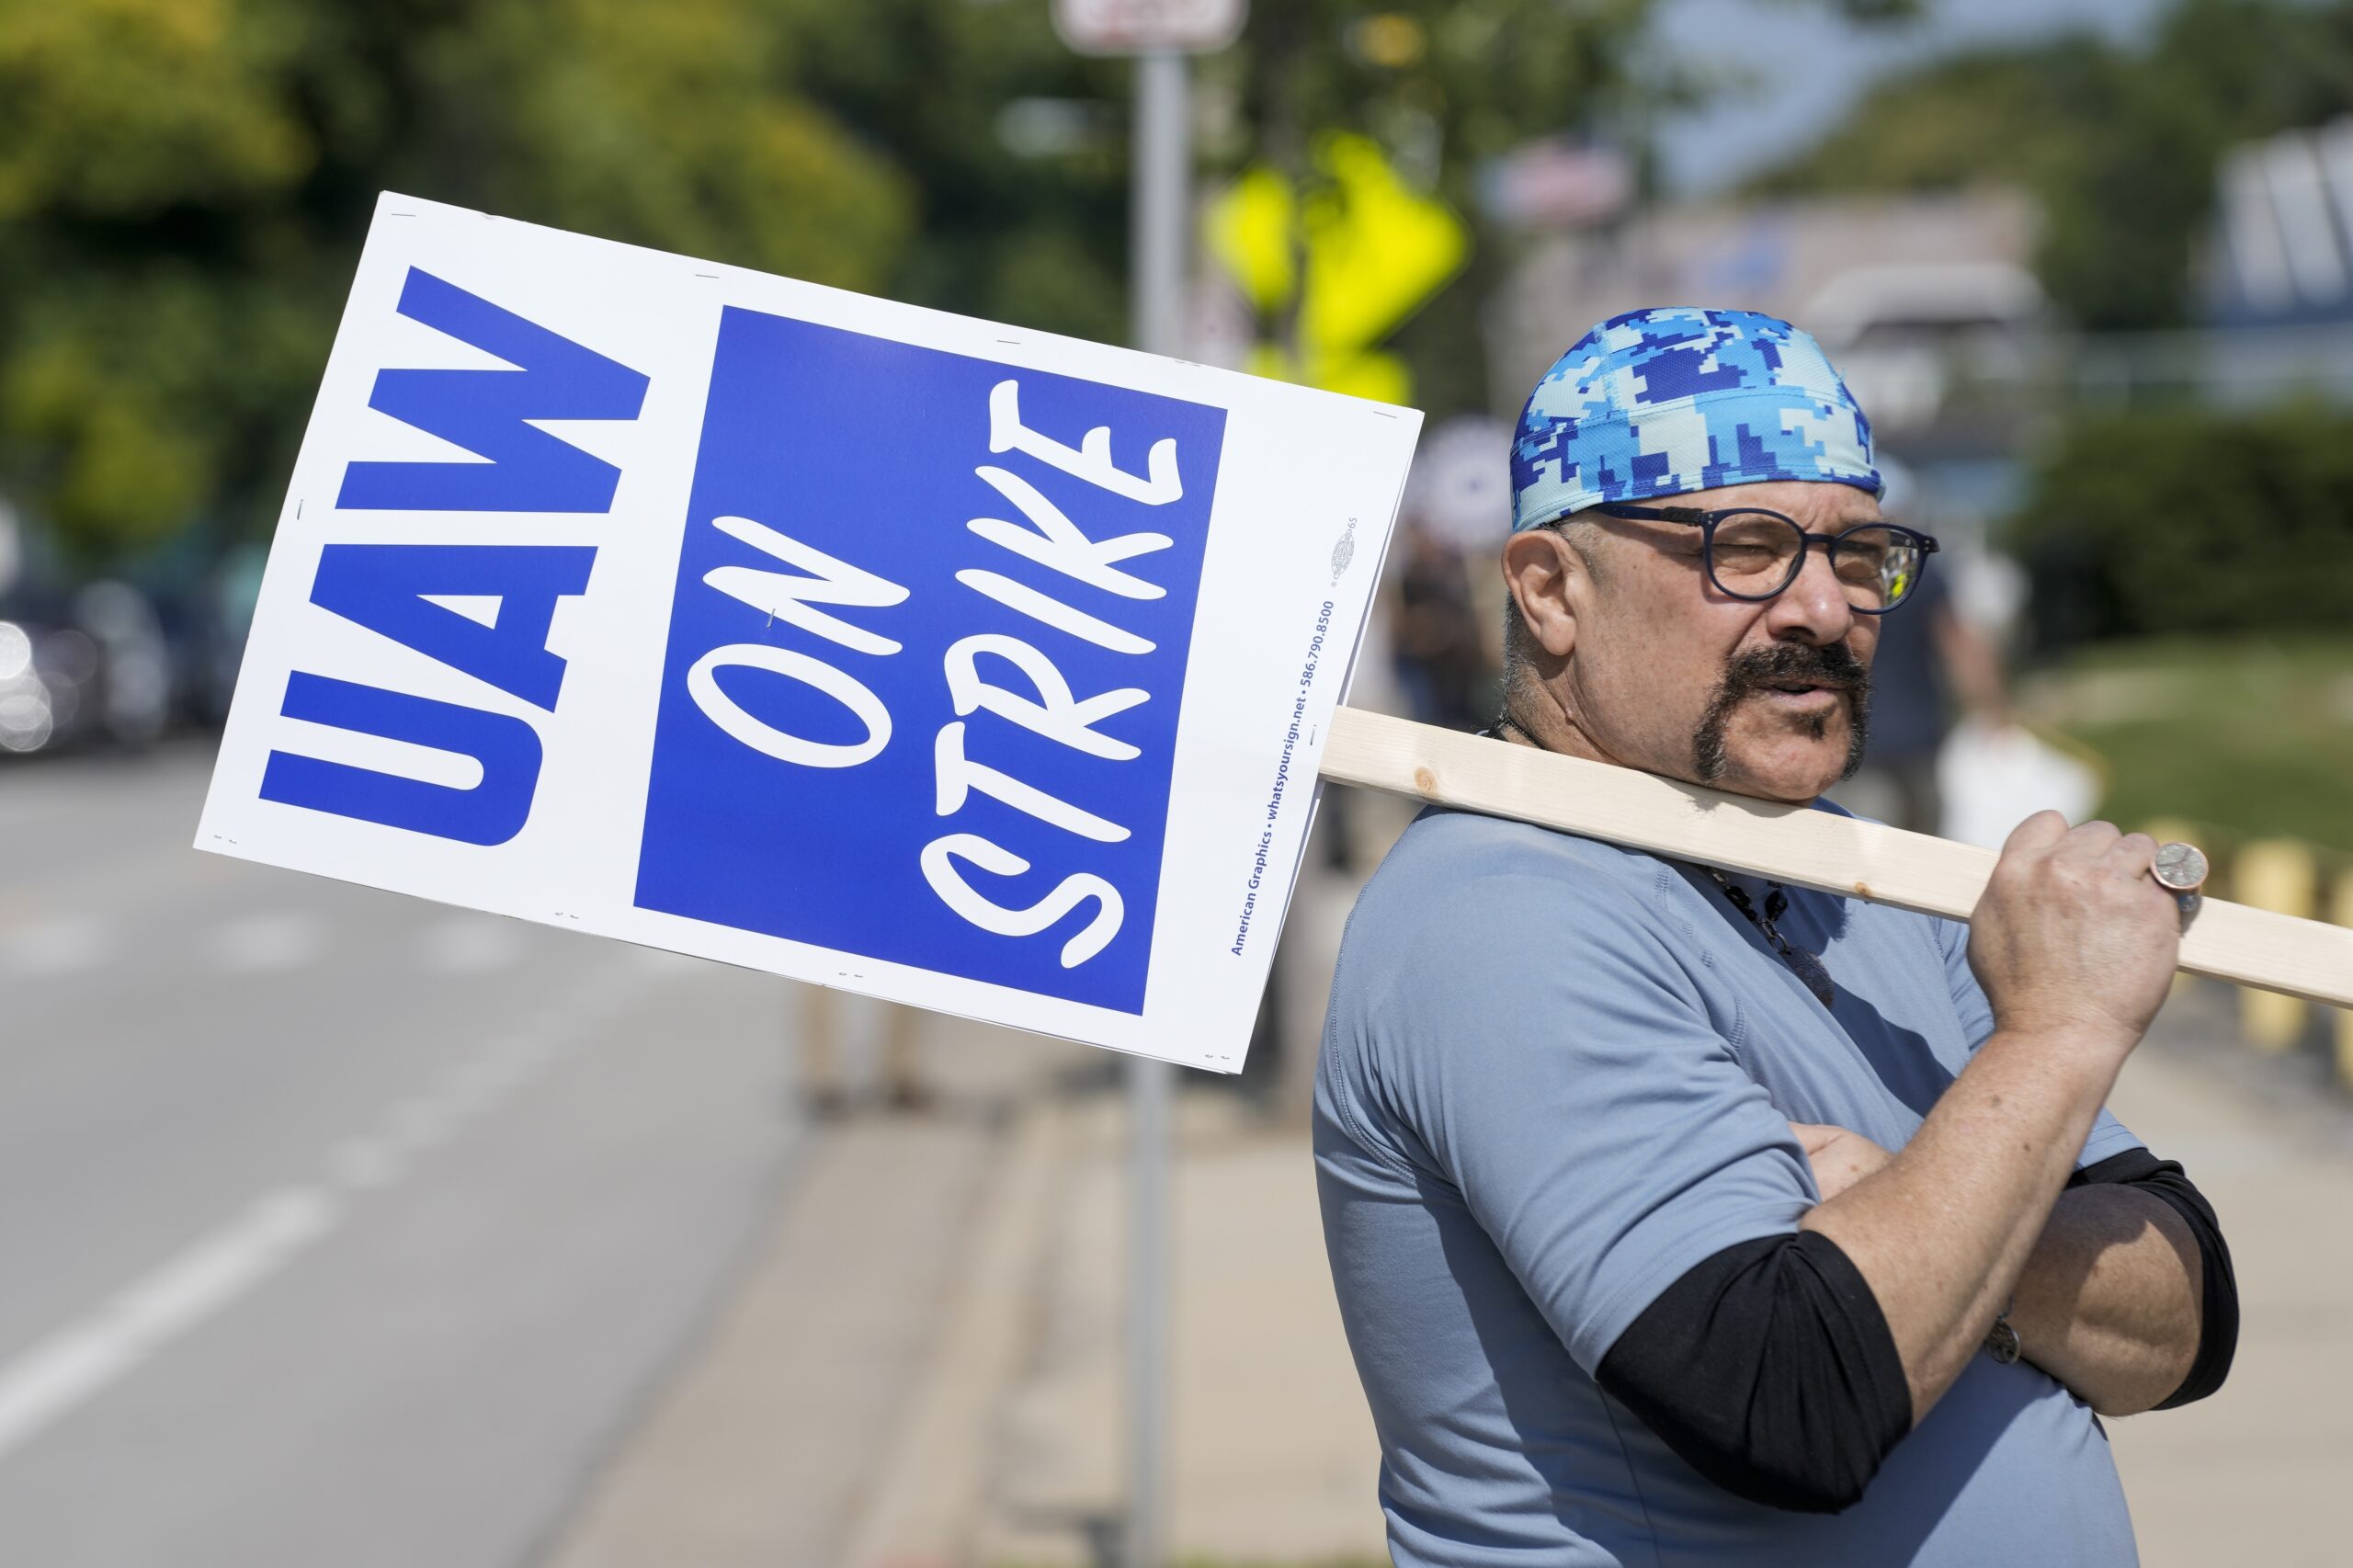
(337, 1229)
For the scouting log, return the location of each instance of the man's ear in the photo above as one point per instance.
(1549, 582)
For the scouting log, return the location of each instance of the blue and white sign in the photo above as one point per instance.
(947, 662)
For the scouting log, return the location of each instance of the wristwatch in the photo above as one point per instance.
(2002, 1340)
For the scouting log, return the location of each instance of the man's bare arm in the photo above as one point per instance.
(2110, 1299)
(1943, 1231)
(2074, 946)
(2109, 1302)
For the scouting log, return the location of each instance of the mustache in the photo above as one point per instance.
(1832, 665)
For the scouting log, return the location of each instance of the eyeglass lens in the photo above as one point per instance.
(1753, 555)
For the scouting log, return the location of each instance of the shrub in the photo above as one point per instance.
(2151, 520)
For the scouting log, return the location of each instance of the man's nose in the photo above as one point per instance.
(1813, 608)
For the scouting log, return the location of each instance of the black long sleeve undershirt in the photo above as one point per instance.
(1769, 1368)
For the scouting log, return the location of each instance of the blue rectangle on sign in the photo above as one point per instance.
(920, 696)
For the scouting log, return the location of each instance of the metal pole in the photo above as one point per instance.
(1163, 175)
(1148, 1287)
(1162, 153)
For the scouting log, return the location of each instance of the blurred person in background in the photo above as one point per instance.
(1441, 651)
(1678, 1217)
(1457, 509)
(826, 1087)
(1930, 658)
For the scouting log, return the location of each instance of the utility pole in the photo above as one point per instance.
(1158, 34)
(1163, 154)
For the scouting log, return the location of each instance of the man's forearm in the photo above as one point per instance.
(1942, 1233)
(2108, 1300)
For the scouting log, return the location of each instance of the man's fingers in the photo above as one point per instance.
(2040, 831)
(2089, 841)
(2133, 854)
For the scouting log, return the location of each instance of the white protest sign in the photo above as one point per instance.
(955, 664)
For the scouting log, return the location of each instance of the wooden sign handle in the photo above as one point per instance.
(1789, 844)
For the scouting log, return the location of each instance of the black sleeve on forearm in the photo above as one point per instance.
(2218, 1305)
(1769, 1368)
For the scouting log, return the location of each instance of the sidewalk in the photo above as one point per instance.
(783, 1436)
(925, 1366)
(2257, 1472)
(1272, 1457)
(923, 1362)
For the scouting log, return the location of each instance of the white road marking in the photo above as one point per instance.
(365, 1163)
(59, 945)
(479, 1082)
(78, 1361)
(419, 1123)
(72, 1364)
(268, 943)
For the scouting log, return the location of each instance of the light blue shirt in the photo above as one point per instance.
(1557, 1074)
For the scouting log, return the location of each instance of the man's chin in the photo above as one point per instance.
(1784, 788)
(1794, 766)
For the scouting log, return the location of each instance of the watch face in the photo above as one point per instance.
(2003, 1342)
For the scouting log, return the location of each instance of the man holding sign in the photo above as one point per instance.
(1678, 1217)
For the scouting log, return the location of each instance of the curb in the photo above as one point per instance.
(925, 1507)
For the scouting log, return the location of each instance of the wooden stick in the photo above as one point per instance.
(1789, 844)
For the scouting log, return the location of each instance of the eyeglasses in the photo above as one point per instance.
(1754, 554)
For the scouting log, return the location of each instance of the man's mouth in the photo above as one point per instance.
(1800, 693)
(1803, 685)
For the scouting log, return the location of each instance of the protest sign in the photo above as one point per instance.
(955, 664)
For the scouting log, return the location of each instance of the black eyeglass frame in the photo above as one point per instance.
(1707, 522)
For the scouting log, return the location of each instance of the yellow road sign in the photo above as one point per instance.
(1371, 248)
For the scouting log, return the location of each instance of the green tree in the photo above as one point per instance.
(2120, 145)
(185, 182)
(1038, 241)
(2140, 521)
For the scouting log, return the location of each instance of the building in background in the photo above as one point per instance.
(1916, 298)
(2282, 249)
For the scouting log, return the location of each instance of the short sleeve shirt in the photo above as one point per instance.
(1557, 1074)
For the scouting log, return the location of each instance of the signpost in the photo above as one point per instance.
(1146, 27)
(1159, 33)
(1163, 190)
(1371, 249)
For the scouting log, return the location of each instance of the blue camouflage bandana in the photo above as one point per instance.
(1662, 402)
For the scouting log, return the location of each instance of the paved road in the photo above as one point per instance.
(337, 1227)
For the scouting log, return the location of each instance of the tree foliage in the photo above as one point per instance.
(2190, 519)
(181, 205)
(2120, 145)
(184, 183)
(1444, 85)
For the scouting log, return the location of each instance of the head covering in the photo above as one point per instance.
(1660, 402)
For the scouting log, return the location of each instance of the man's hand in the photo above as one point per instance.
(1839, 1158)
(2074, 941)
